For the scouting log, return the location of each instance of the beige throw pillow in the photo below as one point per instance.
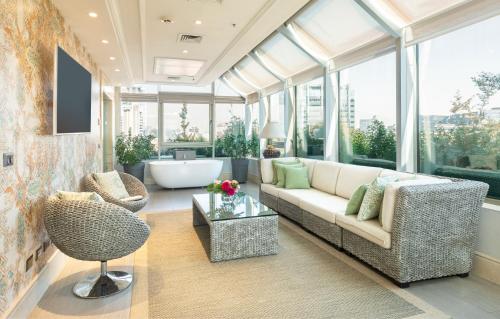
(112, 184)
(87, 196)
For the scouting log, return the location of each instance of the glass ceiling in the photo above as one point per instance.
(326, 29)
(326, 22)
(415, 10)
(256, 73)
(285, 55)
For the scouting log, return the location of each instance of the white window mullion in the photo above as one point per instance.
(407, 108)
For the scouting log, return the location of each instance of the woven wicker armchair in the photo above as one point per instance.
(95, 231)
(133, 185)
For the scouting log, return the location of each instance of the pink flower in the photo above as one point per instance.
(226, 186)
(231, 192)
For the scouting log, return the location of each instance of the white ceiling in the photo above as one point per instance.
(230, 29)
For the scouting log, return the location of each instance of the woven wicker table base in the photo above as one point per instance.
(239, 238)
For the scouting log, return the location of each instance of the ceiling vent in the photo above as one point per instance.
(189, 38)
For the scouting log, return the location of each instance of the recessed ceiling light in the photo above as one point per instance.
(112, 58)
(185, 51)
(105, 41)
(176, 67)
(198, 22)
(92, 14)
(117, 70)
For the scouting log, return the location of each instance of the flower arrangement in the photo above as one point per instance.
(226, 187)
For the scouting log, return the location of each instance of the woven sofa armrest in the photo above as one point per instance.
(437, 221)
(95, 231)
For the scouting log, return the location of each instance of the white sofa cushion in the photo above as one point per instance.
(270, 189)
(266, 168)
(324, 205)
(352, 176)
(368, 229)
(402, 176)
(293, 196)
(325, 176)
(390, 193)
(309, 164)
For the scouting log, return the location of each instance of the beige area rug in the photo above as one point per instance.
(307, 279)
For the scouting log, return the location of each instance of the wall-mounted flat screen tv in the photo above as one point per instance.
(72, 95)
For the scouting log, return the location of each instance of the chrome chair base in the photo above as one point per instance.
(104, 284)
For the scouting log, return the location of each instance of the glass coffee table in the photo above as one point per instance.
(240, 226)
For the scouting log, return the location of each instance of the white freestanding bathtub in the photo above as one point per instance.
(180, 174)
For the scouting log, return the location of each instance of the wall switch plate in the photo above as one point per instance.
(8, 159)
(29, 263)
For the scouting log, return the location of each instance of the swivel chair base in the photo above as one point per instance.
(104, 284)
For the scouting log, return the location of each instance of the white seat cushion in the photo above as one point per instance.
(325, 176)
(368, 229)
(309, 164)
(402, 176)
(391, 192)
(353, 176)
(293, 196)
(428, 177)
(324, 205)
(270, 189)
(266, 168)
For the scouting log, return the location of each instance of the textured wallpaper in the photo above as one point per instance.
(29, 32)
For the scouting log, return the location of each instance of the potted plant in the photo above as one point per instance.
(132, 150)
(236, 146)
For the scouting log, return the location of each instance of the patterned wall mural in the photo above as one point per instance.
(29, 32)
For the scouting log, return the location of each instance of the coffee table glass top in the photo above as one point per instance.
(217, 207)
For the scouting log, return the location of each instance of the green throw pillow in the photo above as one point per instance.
(282, 162)
(280, 173)
(356, 199)
(370, 207)
(296, 177)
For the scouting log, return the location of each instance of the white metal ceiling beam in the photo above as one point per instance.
(291, 37)
(389, 26)
(252, 55)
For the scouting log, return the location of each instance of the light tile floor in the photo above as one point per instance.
(465, 298)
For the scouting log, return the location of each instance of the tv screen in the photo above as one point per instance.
(72, 95)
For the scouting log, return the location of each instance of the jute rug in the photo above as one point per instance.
(307, 279)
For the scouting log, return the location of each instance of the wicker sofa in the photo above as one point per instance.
(429, 230)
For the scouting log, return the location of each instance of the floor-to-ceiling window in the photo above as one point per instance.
(276, 113)
(367, 113)
(310, 119)
(139, 118)
(229, 119)
(459, 104)
(254, 132)
(186, 124)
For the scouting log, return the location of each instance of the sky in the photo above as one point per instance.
(447, 63)
(374, 86)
